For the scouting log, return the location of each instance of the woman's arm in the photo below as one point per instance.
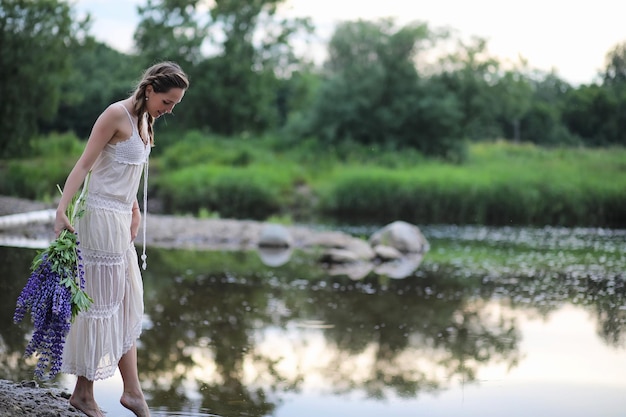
(135, 222)
(103, 131)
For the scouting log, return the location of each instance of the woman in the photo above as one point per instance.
(103, 338)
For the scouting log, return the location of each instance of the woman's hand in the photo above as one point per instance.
(134, 223)
(61, 222)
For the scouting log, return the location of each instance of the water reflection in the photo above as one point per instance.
(14, 272)
(227, 335)
(205, 326)
(274, 256)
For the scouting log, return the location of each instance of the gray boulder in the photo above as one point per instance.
(387, 253)
(338, 256)
(400, 268)
(274, 236)
(403, 236)
(272, 256)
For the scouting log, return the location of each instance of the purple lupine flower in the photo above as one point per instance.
(49, 303)
(50, 296)
(80, 267)
(54, 294)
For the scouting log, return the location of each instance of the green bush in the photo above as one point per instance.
(231, 192)
(196, 148)
(57, 146)
(34, 179)
(49, 162)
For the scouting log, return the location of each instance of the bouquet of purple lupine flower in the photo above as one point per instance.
(54, 295)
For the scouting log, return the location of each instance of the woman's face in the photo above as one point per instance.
(159, 104)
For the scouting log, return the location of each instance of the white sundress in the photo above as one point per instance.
(100, 336)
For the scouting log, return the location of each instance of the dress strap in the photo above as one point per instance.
(144, 257)
(129, 118)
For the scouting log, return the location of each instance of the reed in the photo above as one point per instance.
(248, 192)
(500, 184)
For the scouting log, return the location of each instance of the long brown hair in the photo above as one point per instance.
(162, 77)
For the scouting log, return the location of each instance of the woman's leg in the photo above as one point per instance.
(132, 398)
(82, 398)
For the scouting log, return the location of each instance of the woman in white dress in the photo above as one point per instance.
(103, 338)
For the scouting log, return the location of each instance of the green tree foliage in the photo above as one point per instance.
(597, 114)
(169, 29)
(615, 70)
(35, 40)
(470, 74)
(246, 78)
(514, 94)
(372, 93)
(296, 94)
(172, 30)
(100, 76)
(237, 55)
(245, 82)
(542, 124)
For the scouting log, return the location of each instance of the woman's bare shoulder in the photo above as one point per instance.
(117, 109)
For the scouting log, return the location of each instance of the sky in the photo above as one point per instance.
(572, 38)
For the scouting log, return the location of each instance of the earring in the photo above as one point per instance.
(146, 98)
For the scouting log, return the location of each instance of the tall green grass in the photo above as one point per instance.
(36, 177)
(499, 183)
(249, 192)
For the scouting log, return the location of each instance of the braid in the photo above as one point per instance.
(140, 110)
(162, 77)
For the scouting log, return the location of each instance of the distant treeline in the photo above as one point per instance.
(379, 86)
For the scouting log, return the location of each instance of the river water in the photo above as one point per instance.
(493, 322)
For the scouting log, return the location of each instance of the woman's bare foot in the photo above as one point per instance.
(87, 406)
(135, 403)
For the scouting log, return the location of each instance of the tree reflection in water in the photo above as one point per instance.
(209, 325)
(205, 327)
(228, 335)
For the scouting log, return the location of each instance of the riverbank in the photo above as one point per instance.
(184, 232)
(28, 399)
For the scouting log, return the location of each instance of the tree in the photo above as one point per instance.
(596, 114)
(470, 74)
(514, 94)
(542, 122)
(615, 70)
(35, 37)
(370, 89)
(99, 76)
(372, 93)
(169, 29)
(235, 56)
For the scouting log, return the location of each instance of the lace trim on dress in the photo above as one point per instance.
(95, 201)
(132, 151)
(102, 312)
(99, 258)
